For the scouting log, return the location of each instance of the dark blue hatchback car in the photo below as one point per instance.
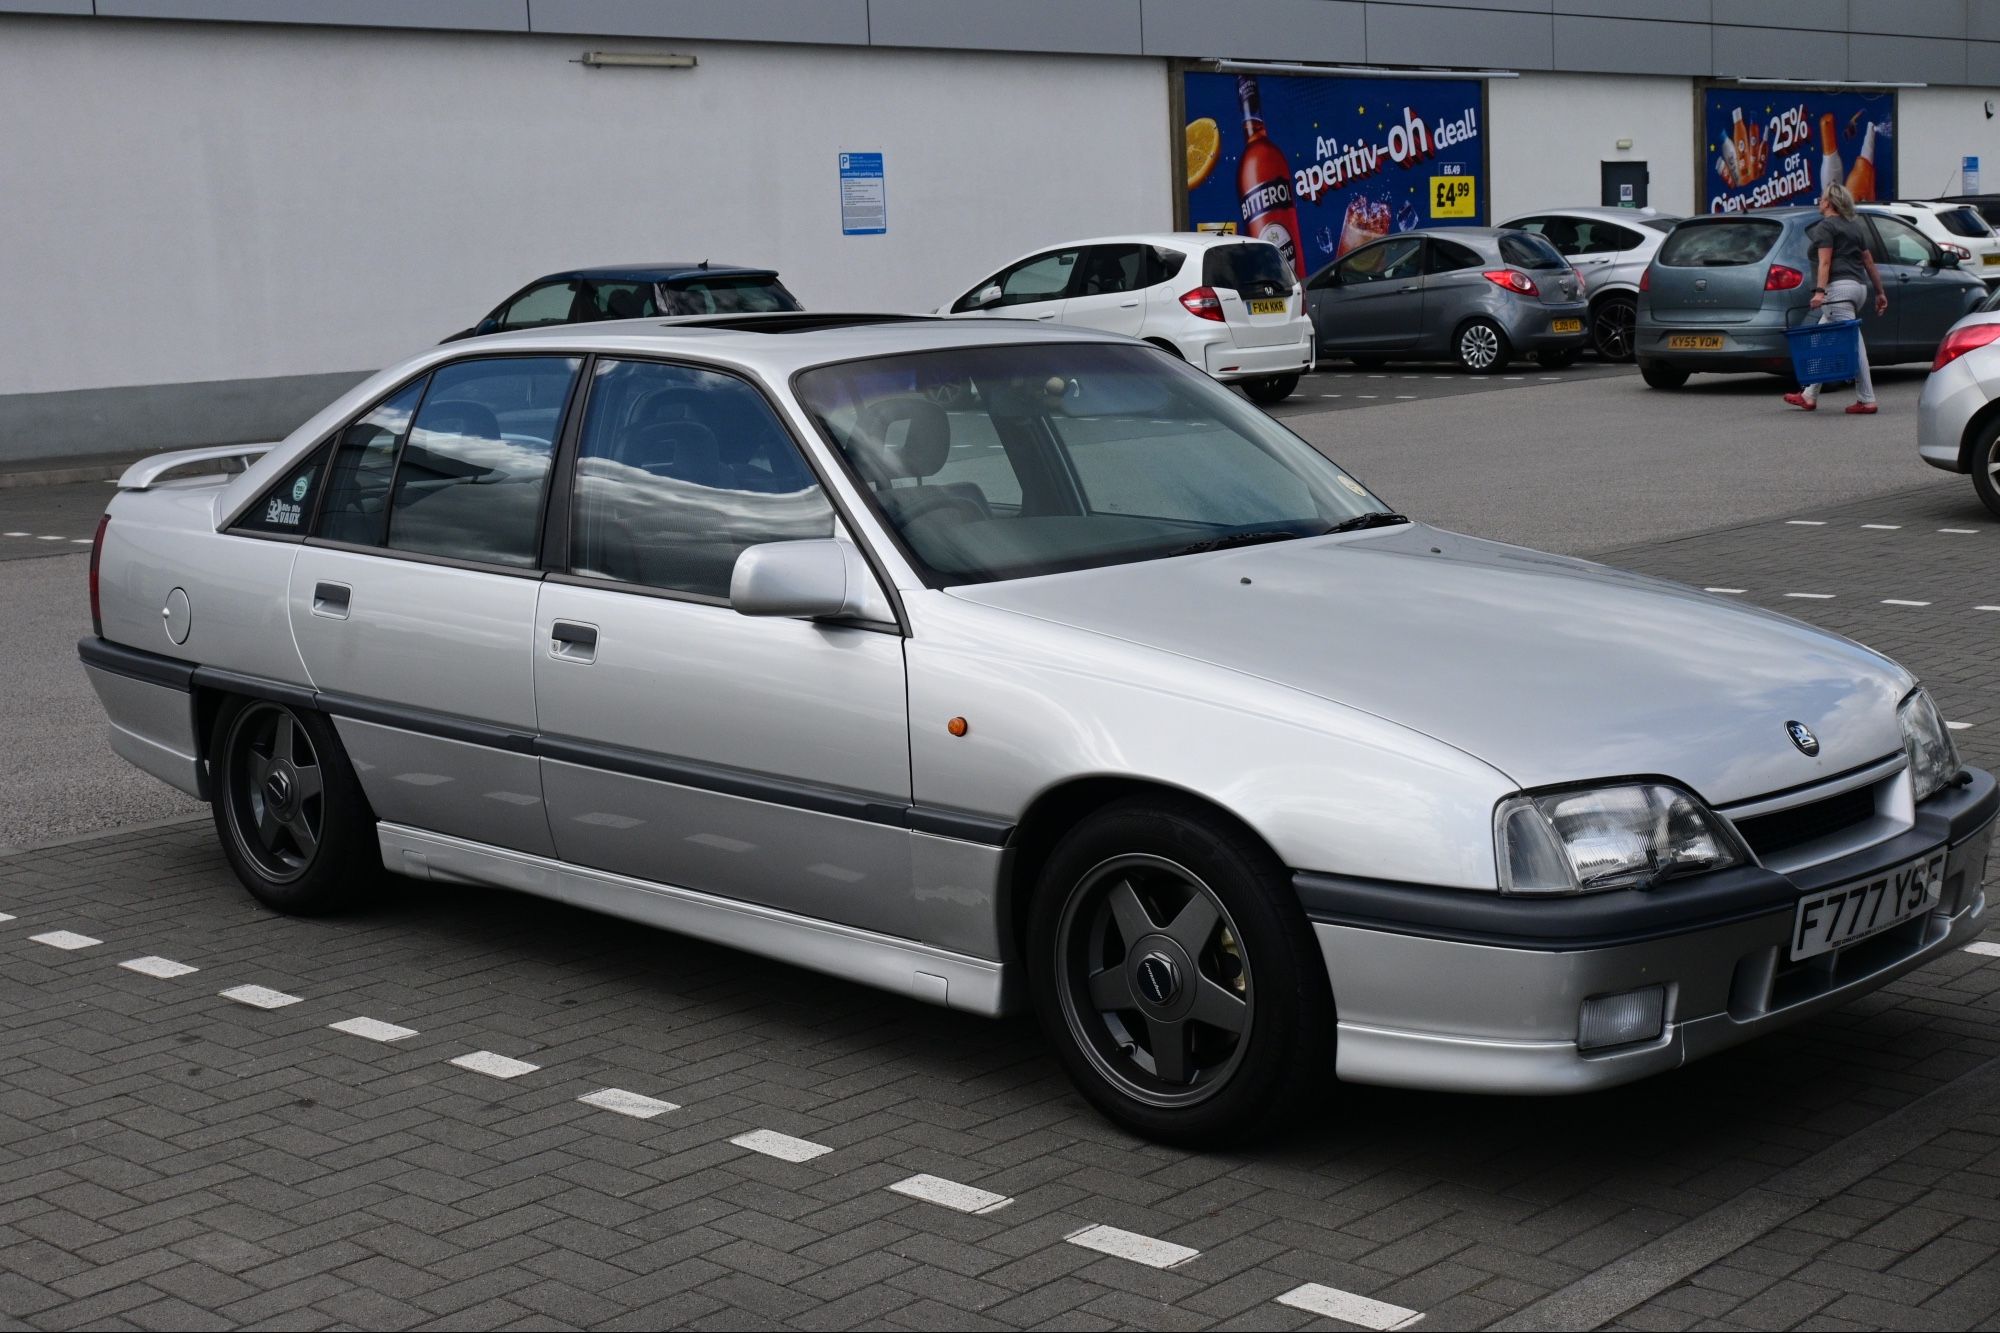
(636, 291)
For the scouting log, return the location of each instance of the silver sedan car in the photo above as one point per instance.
(1095, 692)
(1958, 416)
(1475, 295)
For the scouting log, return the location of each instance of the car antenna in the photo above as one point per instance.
(704, 263)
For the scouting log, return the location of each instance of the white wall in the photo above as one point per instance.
(1550, 132)
(188, 202)
(1935, 128)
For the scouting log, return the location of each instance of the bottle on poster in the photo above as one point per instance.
(1832, 171)
(1264, 181)
(1861, 180)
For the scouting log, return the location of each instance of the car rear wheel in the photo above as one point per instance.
(1177, 977)
(1481, 347)
(1369, 362)
(1271, 388)
(1612, 323)
(292, 819)
(1658, 376)
(1985, 462)
(1562, 359)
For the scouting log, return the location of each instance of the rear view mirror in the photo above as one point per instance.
(823, 579)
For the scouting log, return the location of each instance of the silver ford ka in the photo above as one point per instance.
(1006, 665)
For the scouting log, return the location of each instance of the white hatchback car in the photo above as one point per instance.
(1227, 304)
(1957, 227)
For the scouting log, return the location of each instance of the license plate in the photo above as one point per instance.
(1991, 261)
(1565, 326)
(1837, 917)
(1695, 342)
(1276, 307)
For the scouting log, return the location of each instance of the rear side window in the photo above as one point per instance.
(1720, 244)
(1902, 243)
(1165, 264)
(618, 300)
(551, 303)
(1111, 269)
(287, 507)
(1526, 250)
(725, 296)
(1964, 222)
(1254, 268)
(469, 481)
(356, 508)
(1450, 256)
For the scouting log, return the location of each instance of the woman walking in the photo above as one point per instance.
(1846, 272)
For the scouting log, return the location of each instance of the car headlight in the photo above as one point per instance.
(1927, 741)
(1628, 836)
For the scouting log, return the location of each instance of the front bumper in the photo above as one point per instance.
(1475, 992)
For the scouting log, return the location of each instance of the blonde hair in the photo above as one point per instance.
(1842, 201)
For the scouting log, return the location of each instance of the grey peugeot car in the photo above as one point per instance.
(1094, 692)
(1479, 296)
(1722, 290)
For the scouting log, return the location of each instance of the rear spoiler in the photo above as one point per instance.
(143, 474)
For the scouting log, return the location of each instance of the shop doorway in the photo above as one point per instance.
(1624, 184)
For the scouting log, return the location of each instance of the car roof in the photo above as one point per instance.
(1186, 240)
(1608, 212)
(660, 272)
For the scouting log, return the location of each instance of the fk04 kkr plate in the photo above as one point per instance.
(1837, 917)
(1276, 307)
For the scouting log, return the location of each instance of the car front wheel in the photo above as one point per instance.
(292, 819)
(1271, 388)
(1176, 975)
(1986, 466)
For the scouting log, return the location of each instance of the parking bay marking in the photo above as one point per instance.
(773, 1144)
(1805, 522)
(1984, 947)
(153, 965)
(494, 1066)
(261, 997)
(374, 1029)
(1348, 1308)
(1961, 532)
(1898, 601)
(1732, 592)
(1812, 596)
(1959, 726)
(1133, 1246)
(1884, 527)
(951, 1194)
(65, 939)
(636, 1105)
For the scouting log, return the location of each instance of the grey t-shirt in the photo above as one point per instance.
(1848, 241)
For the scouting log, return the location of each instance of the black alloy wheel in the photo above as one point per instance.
(1613, 322)
(1985, 466)
(292, 818)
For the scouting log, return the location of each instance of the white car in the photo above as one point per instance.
(1230, 305)
(1610, 249)
(1958, 416)
(1958, 228)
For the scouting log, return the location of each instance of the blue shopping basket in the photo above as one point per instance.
(1825, 353)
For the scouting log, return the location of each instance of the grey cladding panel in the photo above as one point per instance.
(1794, 16)
(44, 6)
(1099, 27)
(1674, 11)
(1331, 31)
(1523, 6)
(1908, 18)
(1905, 59)
(1982, 63)
(1631, 46)
(1401, 34)
(1982, 20)
(477, 15)
(829, 22)
(1759, 53)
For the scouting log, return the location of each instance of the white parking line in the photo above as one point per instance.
(154, 966)
(20, 534)
(1805, 522)
(374, 1029)
(1367, 395)
(1959, 726)
(1884, 527)
(1962, 532)
(48, 539)
(1405, 397)
(1812, 596)
(1732, 592)
(1333, 1303)
(1329, 395)
(1986, 608)
(1985, 948)
(773, 1144)
(1133, 1246)
(494, 1066)
(65, 939)
(79, 541)
(1898, 601)
(636, 1105)
(262, 997)
(951, 1194)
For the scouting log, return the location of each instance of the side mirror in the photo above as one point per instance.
(988, 295)
(821, 579)
(1940, 259)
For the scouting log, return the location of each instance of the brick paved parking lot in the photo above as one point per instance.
(468, 1109)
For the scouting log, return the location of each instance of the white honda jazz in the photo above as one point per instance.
(1227, 304)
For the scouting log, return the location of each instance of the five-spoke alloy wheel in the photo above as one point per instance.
(294, 824)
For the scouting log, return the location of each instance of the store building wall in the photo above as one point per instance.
(1550, 132)
(210, 228)
(1936, 129)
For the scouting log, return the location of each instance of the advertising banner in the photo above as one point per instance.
(1322, 165)
(1769, 147)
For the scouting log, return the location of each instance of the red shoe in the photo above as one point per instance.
(1861, 409)
(1800, 401)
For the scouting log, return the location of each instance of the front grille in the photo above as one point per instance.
(1782, 830)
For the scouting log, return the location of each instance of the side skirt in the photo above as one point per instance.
(936, 976)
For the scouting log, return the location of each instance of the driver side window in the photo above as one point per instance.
(1384, 261)
(1043, 278)
(1902, 243)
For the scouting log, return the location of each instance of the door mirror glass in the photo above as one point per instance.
(820, 579)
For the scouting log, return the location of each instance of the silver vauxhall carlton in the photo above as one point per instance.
(1006, 665)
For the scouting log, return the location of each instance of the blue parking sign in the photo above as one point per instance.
(864, 199)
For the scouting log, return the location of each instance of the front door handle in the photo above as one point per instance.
(1044, 316)
(330, 600)
(1128, 305)
(572, 642)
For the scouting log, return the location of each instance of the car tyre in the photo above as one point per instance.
(1658, 376)
(1985, 464)
(294, 824)
(1481, 347)
(1271, 388)
(1560, 359)
(1613, 326)
(1175, 974)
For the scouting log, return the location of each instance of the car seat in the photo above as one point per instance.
(909, 438)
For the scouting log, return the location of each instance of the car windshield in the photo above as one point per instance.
(995, 463)
(725, 296)
(1719, 244)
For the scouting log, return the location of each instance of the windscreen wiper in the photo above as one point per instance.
(1374, 518)
(1240, 539)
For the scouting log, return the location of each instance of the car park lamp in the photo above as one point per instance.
(1629, 836)
(1933, 758)
(1621, 1019)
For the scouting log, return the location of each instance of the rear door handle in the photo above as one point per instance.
(1128, 305)
(572, 642)
(1044, 316)
(330, 600)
